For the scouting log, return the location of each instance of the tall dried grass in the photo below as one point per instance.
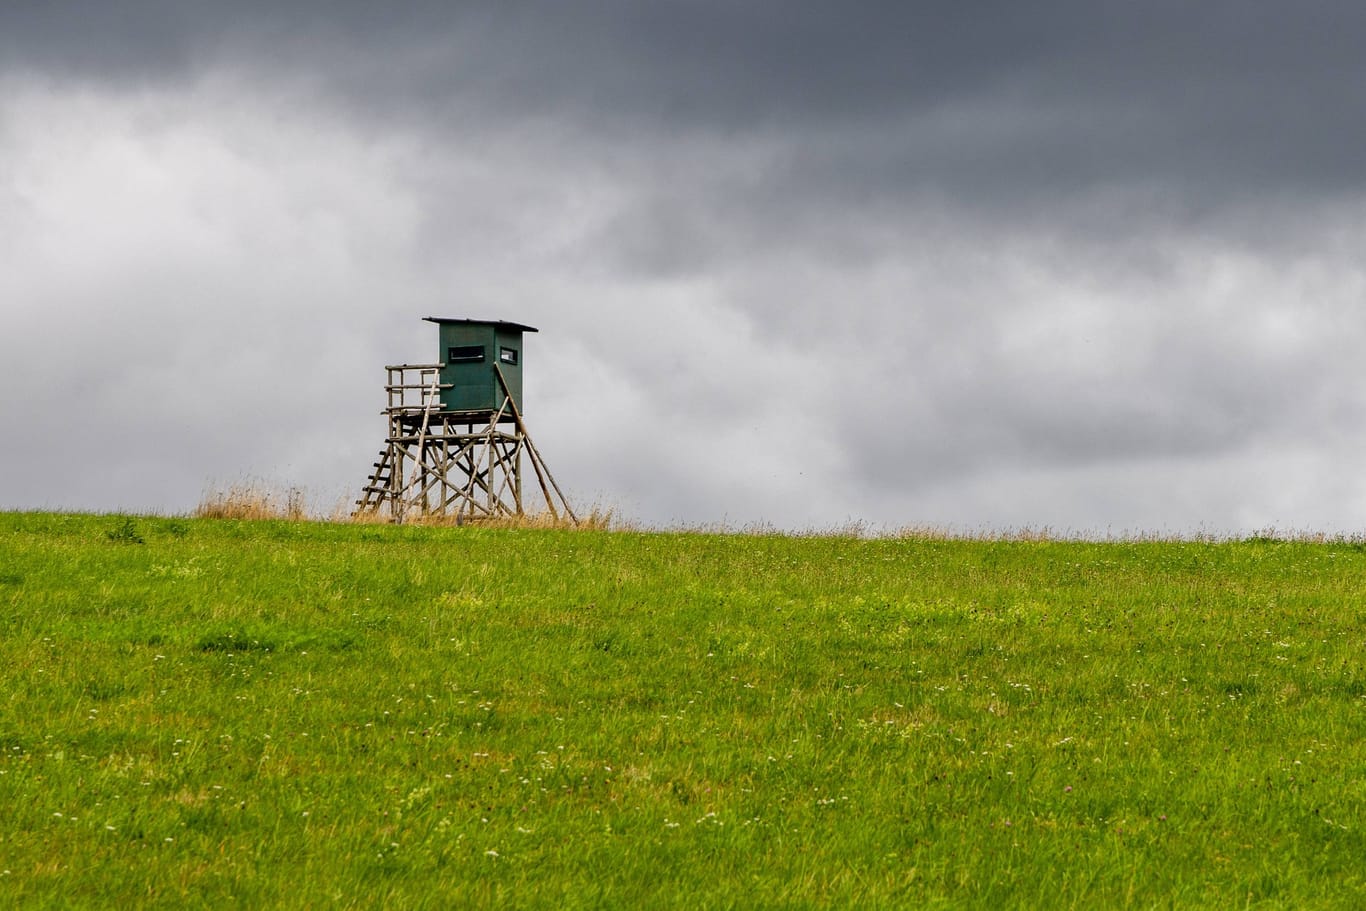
(595, 520)
(259, 500)
(249, 500)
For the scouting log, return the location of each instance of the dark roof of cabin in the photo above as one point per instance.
(502, 324)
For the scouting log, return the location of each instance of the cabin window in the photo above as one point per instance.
(508, 356)
(465, 354)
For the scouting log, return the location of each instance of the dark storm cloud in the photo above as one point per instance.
(895, 259)
(986, 99)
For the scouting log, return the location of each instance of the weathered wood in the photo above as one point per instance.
(462, 463)
(535, 456)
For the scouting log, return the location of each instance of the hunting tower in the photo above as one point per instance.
(456, 438)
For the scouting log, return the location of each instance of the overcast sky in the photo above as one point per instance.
(1092, 266)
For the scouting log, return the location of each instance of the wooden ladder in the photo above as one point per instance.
(377, 489)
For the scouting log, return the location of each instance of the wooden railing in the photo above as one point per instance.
(414, 388)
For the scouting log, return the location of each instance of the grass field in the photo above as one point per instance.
(199, 713)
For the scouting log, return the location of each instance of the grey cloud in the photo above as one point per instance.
(973, 263)
(875, 98)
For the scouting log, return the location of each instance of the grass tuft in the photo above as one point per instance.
(252, 501)
(234, 641)
(125, 532)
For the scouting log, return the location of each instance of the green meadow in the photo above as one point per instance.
(201, 713)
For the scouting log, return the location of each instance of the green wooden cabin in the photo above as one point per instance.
(470, 348)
